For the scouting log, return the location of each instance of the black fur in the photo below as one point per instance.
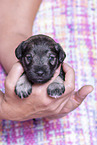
(40, 56)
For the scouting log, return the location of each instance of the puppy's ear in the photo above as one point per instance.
(19, 50)
(61, 52)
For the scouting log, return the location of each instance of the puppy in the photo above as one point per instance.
(40, 56)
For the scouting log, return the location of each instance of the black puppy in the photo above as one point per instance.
(40, 56)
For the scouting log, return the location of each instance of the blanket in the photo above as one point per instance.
(72, 23)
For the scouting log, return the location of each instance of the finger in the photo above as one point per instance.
(57, 72)
(1, 96)
(14, 75)
(53, 117)
(69, 78)
(76, 98)
(81, 94)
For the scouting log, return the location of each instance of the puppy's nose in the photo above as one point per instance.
(40, 73)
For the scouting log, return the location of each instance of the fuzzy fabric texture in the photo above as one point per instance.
(72, 23)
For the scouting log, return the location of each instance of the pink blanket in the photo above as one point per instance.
(73, 23)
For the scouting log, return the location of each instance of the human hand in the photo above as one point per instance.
(39, 104)
(71, 99)
(14, 108)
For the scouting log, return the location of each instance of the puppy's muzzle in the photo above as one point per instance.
(40, 73)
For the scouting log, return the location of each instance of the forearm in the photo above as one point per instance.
(7, 50)
(16, 20)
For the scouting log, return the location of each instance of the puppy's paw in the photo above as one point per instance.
(23, 87)
(55, 89)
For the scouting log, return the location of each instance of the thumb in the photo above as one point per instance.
(57, 72)
(14, 75)
(81, 94)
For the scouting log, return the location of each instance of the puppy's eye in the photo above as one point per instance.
(52, 59)
(28, 59)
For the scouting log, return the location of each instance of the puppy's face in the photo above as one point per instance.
(40, 56)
